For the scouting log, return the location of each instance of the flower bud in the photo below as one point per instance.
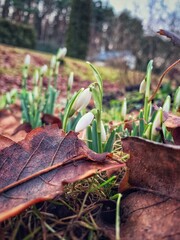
(70, 80)
(43, 69)
(82, 100)
(142, 86)
(84, 122)
(124, 109)
(103, 132)
(27, 60)
(157, 122)
(61, 53)
(167, 104)
(36, 77)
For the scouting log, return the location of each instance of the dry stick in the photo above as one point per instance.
(161, 78)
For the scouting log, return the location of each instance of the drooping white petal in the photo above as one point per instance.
(82, 100)
(84, 122)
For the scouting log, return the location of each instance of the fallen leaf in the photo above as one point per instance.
(36, 168)
(49, 119)
(174, 38)
(148, 216)
(22, 127)
(153, 165)
(172, 124)
(150, 207)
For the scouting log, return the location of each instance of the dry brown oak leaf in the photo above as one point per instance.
(36, 168)
(172, 124)
(150, 208)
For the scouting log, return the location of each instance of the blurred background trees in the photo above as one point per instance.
(91, 27)
(79, 29)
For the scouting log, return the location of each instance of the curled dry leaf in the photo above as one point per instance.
(36, 168)
(172, 124)
(49, 119)
(174, 38)
(22, 127)
(151, 207)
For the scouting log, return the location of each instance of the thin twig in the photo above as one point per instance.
(161, 78)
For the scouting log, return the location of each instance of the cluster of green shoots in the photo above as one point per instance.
(40, 99)
(98, 136)
(8, 98)
(150, 121)
(90, 122)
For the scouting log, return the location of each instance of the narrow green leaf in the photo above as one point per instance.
(110, 142)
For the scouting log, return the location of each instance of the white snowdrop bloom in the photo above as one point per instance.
(27, 60)
(82, 100)
(61, 53)
(84, 122)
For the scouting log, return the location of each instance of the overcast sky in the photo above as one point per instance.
(140, 8)
(119, 5)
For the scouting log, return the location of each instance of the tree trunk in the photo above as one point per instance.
(5, 11)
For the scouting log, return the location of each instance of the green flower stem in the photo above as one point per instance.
(98, 118)
(147, 92)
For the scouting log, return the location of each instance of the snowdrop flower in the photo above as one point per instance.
(70, 80)
(103, 132)
(82, 100)
(27, 60)
(157, 122)
(61, 53)
(84, 122)
(124, 109)
(142, 86)
(167, 104)
(43, 69)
